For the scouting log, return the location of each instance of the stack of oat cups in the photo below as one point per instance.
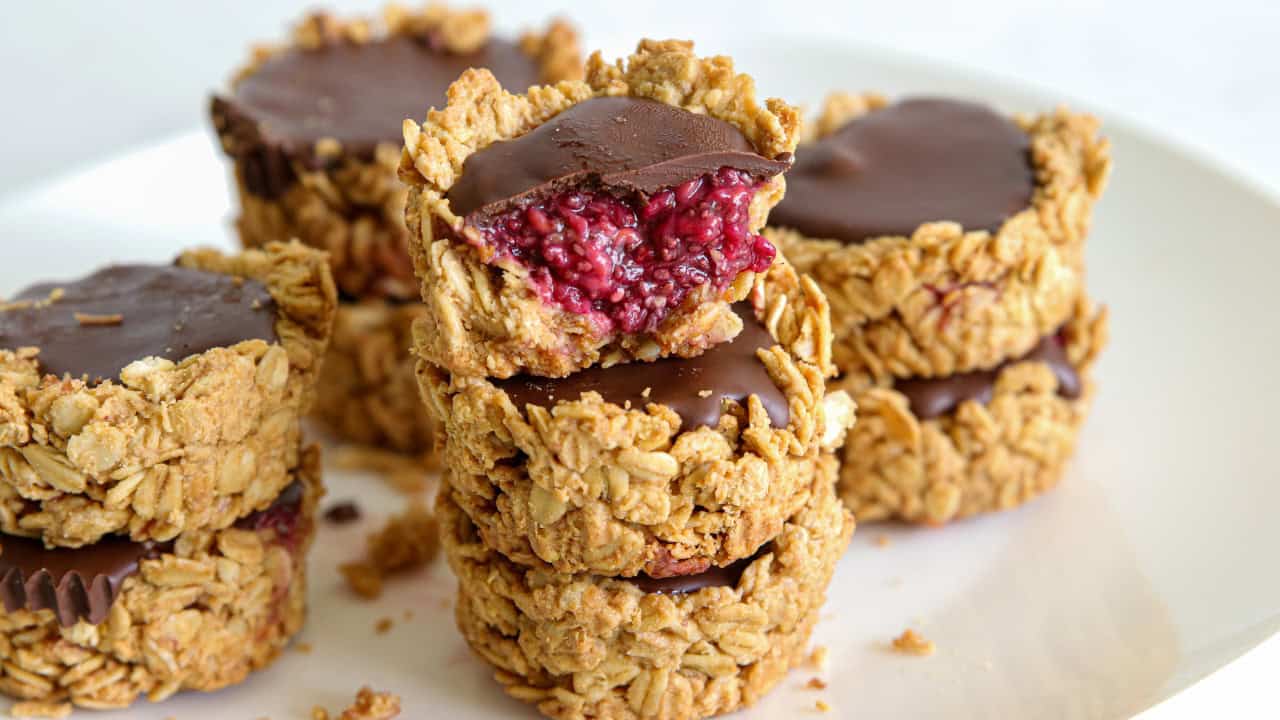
(639, 496)
(314, 129)
(156, 505)
(950, 240)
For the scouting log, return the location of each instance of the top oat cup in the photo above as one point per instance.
(947, 237)
(152, 400)
(592, 222)
(313, 127)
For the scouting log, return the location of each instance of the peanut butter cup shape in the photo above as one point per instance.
(195, 429)
(368, 390)
(656, 467)
(938, 449)
(198, 613)
(313, 127)
(915, 295)
(585, 646)
(622, 222)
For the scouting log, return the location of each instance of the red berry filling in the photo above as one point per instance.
(629, 261)
(283, 516)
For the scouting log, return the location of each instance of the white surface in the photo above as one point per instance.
(1148, 568)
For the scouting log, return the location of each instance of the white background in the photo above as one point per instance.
(88, 80)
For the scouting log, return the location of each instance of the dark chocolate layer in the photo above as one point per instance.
(631, 144)
(83, 583)
(361, 93)
(163, 311)
(729, 370)
(727, 576)
(933, 397)
(917, 161)
(75, 583)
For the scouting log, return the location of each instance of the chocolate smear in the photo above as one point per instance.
(156, 311)
(934, 397)
(917, 161)
(623, 143)
(75, 583)
(695, 388)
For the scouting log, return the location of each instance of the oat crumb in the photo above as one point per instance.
(818, 658)
(408, 541)
(912, 643)
(645, 393)
(383, 626)
(822, 706)
(371, 705)
(319, 713)
(40, 709)
(408, 615)
(704, 393)
(91, 319)
(883, 541)
(303, 647)
(816, 683)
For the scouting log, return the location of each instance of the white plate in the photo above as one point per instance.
(1148, 568)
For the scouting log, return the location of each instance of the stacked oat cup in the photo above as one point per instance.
(313, 127)
(156, 503)
(950, 241)
(639, 498)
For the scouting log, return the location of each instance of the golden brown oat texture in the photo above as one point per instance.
(201, 616)
(171, 447)
(945, 300)
(368, 392)
(372, 705)
(486, 320)
(586, 646)
(354, 207)
(40, 709)
(978, 458)
(409, 540)
(591, 486)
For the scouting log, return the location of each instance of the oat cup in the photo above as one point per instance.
(592, 222)
(152, 400)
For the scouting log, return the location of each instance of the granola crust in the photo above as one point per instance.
(202, 616)
(591, 486)
(172, 447)
(584, 646)
(368, 392)
(978, 458)
(944, 300)
(354, 207)
(486, 320)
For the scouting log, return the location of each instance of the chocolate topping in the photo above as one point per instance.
(728, 370)
(932, 397)
(360, 93)
(917, 161)
(154, 310)
(727, 576)
(75, 583)
(632, 144)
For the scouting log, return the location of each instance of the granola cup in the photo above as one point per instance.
(945, 299)
(201, 614)
(584, 646)
(490, 315)
(978, 457)
(588, 484)
(368, 390)
(169, 447)
(344, 199)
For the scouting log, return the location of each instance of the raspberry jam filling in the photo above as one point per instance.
(629, 261)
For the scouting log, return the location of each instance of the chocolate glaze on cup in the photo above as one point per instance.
(163, 311)
(917, 161)
(729, 370)
(934, 397)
